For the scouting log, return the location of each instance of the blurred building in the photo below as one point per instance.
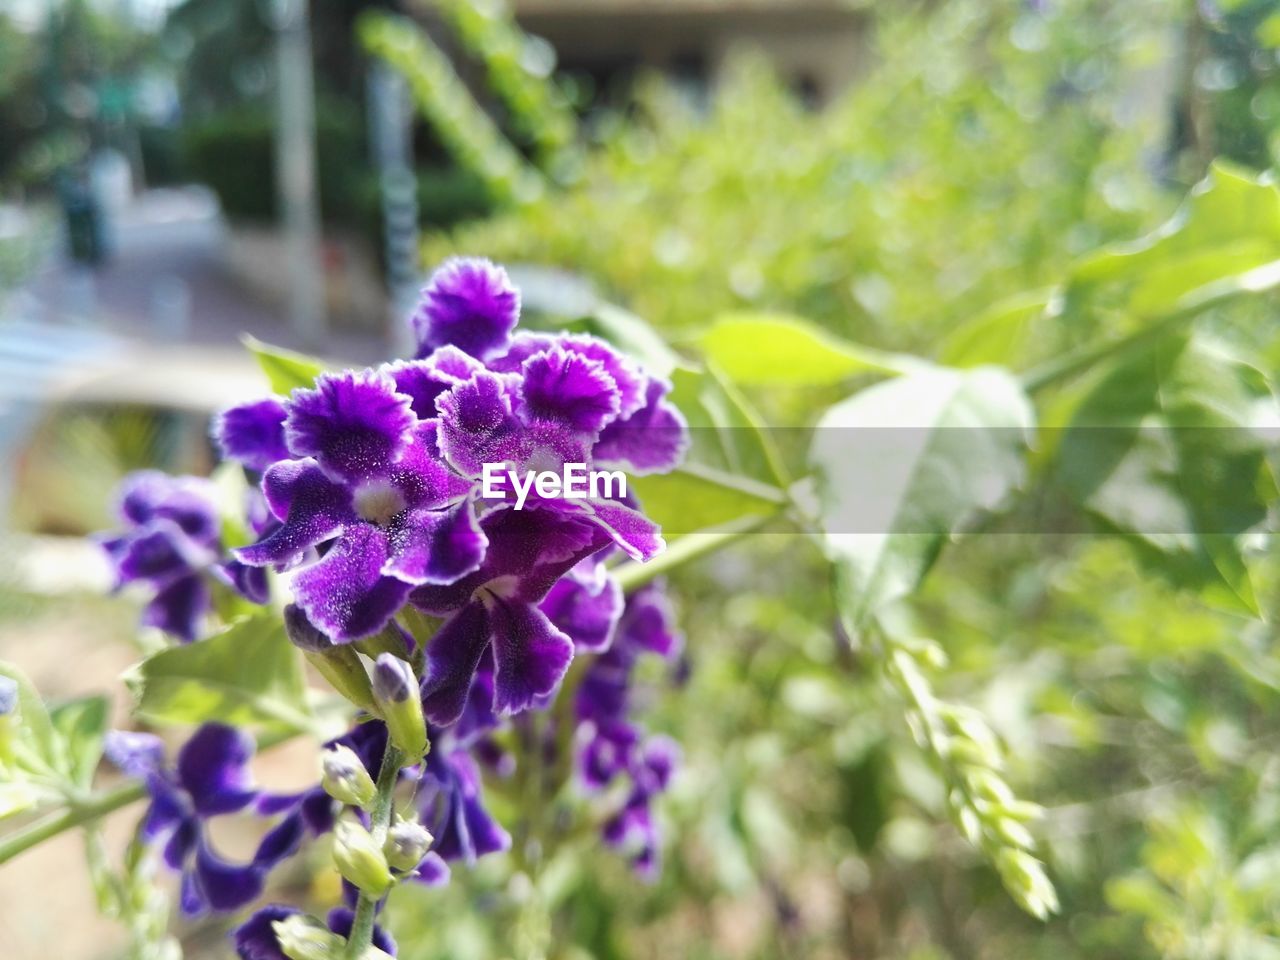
(814, 43)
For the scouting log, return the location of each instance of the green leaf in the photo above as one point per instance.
(249, 674)
(35, 729)
(997, 335)
(1229, 224)
(694, 497)
(779, 350)
(81, 725)
(905, 464)
(285, 369)
(725, 433)
(1161, 450)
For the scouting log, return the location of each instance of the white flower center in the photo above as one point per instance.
(377, 501)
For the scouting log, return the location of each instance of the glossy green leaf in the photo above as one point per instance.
(904, 465)
(285, 369)
(997, 335)
(779, 350)
(249, 674)
(694, 498)
(81, 725)
(1161, 450)
(1229, 224)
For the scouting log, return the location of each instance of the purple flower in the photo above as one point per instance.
(210, 778)
(252, 433)
(585, 605)
(469, 303)
(495, 611)
(171, 543)
(255, 939)
(373, 496)
(611, 744)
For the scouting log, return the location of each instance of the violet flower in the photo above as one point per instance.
(372, 494)
(612, 745)
(211, 778)
(172, 543)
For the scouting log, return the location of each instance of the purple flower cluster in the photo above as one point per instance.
(211, 778)
(372, 478)
(172, 544)
(368, 499)
(612, 746)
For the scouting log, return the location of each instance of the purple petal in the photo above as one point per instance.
(433, 871)
(191, 899)
(179, 608)
(630, 529)
(312, 507)
(648, 622)
(477, 425)
(180, 844)
(250, 582)
(422, 477)
(134, 754)
(213, 767)
(586, 610)
(661, 756)
(252, 433)
(345, 593)
(280, 842)
(147, 495)
(654, 439)
(626, 374)
(568, 389)
(159, 554)
(354, 423)
(422, 381)
(255, 939)
(607, 754)
(469, 303)
(436, 546)
(530, 655)
(226, 886)
(168, 809)
(452, 660)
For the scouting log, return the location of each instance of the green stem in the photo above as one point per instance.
(380, 821)
(690, 546)
(76, 815)
(1259, 280)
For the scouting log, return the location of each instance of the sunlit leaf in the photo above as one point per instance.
(81, 725)
(771, 349)
(249, 674)
(905, 464)
(285, 369)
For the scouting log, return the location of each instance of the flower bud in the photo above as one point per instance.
(337, 663)
(345, 777)
(395, 690)
(407, 843)
(305, 938)
(360, 859)
(8, 717)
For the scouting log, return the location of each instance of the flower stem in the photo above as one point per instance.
(380, 821)
(69, 818)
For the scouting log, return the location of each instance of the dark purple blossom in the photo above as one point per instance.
(171, 543)
(469, 303)
(372, 495)
(211, 778)
(252, 433)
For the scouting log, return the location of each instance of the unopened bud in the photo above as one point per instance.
(345, 777)
(305, 938)
(407, 843)
(360, 860)
(338, 663)
(395, 690)
(8, 717)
